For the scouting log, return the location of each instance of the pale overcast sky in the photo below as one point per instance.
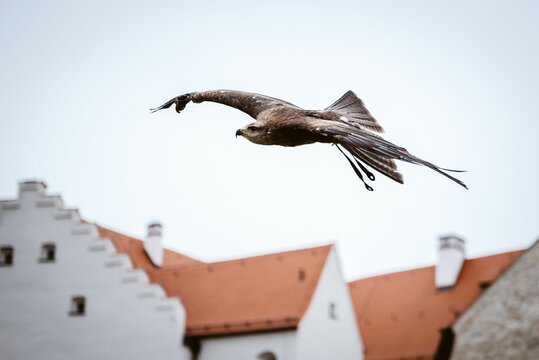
(454, 82)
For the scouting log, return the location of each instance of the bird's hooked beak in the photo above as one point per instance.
(239, 132)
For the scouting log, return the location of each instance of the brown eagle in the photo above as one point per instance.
(346, 123)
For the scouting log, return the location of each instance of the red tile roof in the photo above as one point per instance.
(400, 315)
(251, 294)
(134, 248)
(259, 293)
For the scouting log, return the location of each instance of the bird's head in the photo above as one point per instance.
(254, 132)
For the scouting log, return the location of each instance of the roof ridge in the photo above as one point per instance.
(434, 265)
(119, 238)
(131, 237)
(107, 228)
(499, 253)
(170, 268)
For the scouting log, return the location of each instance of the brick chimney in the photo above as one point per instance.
(153, 244)
(450, 260)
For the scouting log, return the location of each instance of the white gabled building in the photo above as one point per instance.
(328, 329)
(66, 294)
(287, 305)
(73, 290)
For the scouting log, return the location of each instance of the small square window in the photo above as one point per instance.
(333, 310)
(6, 255)
(78, 306)
(48, 253)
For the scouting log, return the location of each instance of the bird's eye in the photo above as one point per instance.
(252, 128)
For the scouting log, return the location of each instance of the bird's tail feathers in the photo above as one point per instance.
(387, 150)
(380, 154)
(415, 160)
(350, 109)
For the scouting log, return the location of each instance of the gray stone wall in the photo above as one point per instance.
(504, 322)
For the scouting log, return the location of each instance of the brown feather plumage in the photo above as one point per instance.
(346, 122)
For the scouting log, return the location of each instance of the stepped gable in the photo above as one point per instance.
(37, 215)
(400, 315)
(133, 247)
(260, 293)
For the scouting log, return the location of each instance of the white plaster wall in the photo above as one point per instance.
(319, 335)
(126, 317)
(248, 347)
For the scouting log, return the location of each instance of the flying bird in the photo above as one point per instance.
(346, 123)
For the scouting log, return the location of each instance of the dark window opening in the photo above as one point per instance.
(266, 355)
(78, 306)
(6, 255)
(484, 284)
(194, 346)
(333, 310)
(445, 346)
(48, 253)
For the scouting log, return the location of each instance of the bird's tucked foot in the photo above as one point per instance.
(356, 170)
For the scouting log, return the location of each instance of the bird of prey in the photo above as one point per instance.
(346, 123)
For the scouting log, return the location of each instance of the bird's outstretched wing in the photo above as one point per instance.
(375, 151)
(250, 103)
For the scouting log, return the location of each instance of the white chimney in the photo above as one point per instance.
(153, 244)
(450, 260)
(33, 185)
